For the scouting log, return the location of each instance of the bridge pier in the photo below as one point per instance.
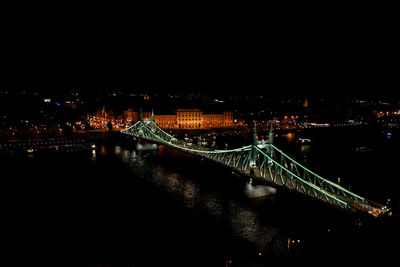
(252, 173)
(141, 146)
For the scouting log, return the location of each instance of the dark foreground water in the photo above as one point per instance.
(114, 206)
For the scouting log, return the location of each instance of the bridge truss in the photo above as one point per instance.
(268, 164)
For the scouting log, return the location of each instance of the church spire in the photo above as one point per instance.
(305, 103)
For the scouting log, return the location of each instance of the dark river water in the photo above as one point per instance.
(114, 206)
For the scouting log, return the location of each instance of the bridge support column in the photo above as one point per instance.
(152, 120)
(140, 146)
(271, 134)
(251, 174)
(253, 154)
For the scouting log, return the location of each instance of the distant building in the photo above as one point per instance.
(131, 115)
(102, 117)
(188, 119)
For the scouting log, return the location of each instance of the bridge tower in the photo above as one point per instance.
(270, 141)
(152, 119)
(254, 133)
(271, 134)
(253, 152)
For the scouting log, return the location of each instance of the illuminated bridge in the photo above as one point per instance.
(268, 164)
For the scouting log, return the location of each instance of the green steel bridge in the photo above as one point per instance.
(268, 164)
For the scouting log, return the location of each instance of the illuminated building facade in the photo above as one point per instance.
(192, 119)
(224, 120)
(131, 115)
(189, 119)
(100, 119)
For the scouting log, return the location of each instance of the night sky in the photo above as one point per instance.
(202, 46)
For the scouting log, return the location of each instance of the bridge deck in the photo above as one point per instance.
(272, 166)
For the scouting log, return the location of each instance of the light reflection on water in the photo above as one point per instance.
(103, 150)
(242, 220)
(174, 183)
(290, 137)
(213, 204)
(191, 193)
(126, 155)
(117, 150)
(245, 223)
(304, 148)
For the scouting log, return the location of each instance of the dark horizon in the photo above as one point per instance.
(210, 91)
(293, 49)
